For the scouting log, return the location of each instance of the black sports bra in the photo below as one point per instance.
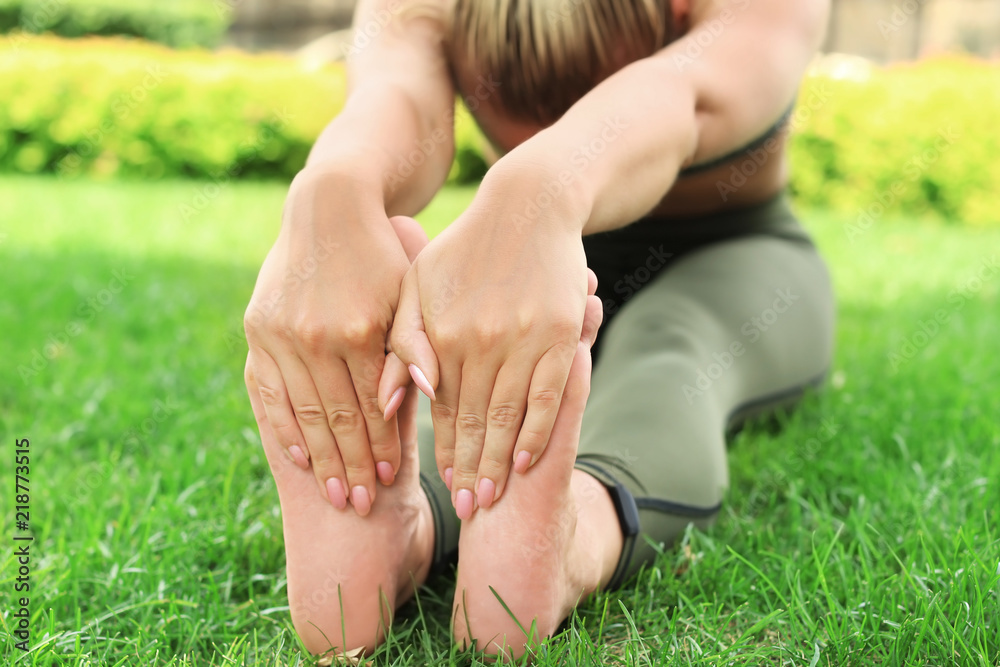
(753, 145)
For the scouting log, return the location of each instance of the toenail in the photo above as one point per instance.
(298, 457)
(487, 492)
(385, 472)
(463, 504)
(522, 462)
(335, 491)
(361, 500)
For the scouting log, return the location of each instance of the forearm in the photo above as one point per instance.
(613, 161)
(381, 135)
(622, 145)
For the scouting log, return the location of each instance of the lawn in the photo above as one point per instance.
(864, 532)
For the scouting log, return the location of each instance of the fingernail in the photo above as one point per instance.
(385, 473)
(335, 491)
(487, 490)
(420, 380)
(298, 457)
(394, 402)
(447, 477)
(463, 504)
(361, 500)
(522, 462)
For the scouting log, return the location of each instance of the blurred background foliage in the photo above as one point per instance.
(179, 23)
(905, 140)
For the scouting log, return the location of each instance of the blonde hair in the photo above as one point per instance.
(547, 54)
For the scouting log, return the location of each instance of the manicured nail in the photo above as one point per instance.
(463, 504)
(298, 457)
(335, 491)
(385, 472)
(448, 472)
(395, 401)
(361, 500)
(487, 490)
(420, 380)
(522, 462)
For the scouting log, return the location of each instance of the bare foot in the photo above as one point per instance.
(347, 574)
(551, 540)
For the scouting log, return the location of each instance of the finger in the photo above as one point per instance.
(343, 417)
(278, 458)
(395, 375)
(591, 282)
(311, 413)
(411, 235)
(566, 429)
(392, 385)
(503, 422)
(443, 413)
(544, 396)
(265, 377)
(593, 317)
(382, 436)
(409, 340)
(478, 378)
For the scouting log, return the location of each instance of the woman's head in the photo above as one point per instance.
(547, 54)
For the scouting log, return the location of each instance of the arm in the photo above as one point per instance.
(328, 290)
(686, 104)
(499, 371)
(400, 99)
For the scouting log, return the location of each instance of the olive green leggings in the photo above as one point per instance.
(708, 322)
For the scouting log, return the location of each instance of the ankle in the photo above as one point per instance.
(599, 535)
(420, 554)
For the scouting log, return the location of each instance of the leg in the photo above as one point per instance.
(549, 542)
(338, 561)
(730, 330)
(739, 323)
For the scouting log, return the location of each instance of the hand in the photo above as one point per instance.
(316, 326)
(488, 323)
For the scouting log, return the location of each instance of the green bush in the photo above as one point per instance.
(179, 23)
(111, 107)
(915, 140)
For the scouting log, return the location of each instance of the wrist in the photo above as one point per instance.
(538, 191)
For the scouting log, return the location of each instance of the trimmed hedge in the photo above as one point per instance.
(179, 23)
(916, 140)
(111, 107)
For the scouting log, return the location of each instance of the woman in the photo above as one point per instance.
(620, 124)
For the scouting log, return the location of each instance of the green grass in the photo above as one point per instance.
(865, 532)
